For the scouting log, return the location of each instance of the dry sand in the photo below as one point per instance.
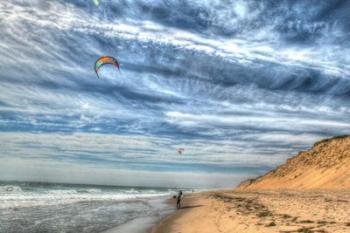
(270, 211)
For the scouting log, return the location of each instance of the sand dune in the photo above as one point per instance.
(325, 166)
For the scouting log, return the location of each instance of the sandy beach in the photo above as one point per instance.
(270, 211)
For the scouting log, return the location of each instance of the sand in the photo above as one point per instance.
(269, 211)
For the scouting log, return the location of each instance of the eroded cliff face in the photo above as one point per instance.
(325, 166)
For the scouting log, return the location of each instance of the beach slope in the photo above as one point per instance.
(324, 166)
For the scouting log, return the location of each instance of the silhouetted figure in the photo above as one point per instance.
(178, 199)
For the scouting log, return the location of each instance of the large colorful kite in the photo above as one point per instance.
(104, 60)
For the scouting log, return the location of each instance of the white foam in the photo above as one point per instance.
(8, 189)
(58, 197)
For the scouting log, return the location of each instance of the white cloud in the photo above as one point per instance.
(272, 122)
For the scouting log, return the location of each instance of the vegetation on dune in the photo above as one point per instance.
(330, 139)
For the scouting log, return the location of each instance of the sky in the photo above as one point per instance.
(240, 85)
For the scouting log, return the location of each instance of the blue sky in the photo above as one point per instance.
(241, 85)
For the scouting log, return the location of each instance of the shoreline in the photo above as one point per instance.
(259, 212)
(143, 224)
(165, 225)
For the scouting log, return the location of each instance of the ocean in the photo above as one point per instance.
(75, 208)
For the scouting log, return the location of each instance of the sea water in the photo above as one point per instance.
(61, 208)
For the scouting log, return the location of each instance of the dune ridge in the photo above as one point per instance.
(324, 166)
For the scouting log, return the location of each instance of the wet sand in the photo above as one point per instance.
(270, 211)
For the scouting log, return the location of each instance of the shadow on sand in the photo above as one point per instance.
(190, 206)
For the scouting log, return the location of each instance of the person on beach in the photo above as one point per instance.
(178, 200)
